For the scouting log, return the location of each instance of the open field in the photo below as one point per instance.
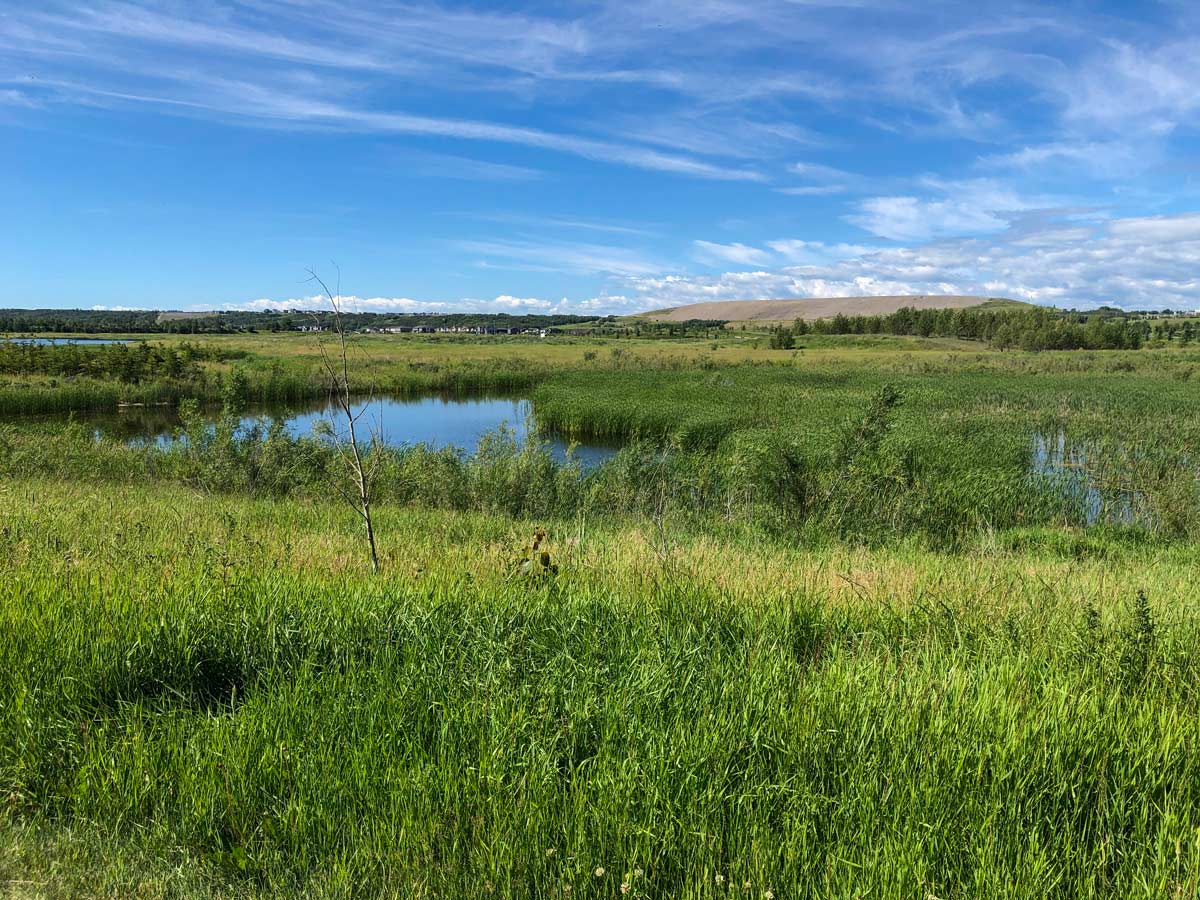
(878, 617)
(770, 311)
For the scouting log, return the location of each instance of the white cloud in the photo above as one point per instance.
(271, 104)
(17, 98)
(556, 223)
(974, 206)
(501, 304)
(823, 180)
(1158, 229)
(553, 256)
(348, 302)
(1100, 159)
(1124, 85)
(429, 165)
(1133, 262)
(818, 172)
(814, 190)
(739, 254)
(602, 304)
(1054, 236)
(913, 219)
(812, 252)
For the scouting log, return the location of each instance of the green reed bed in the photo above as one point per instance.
(840, 450)
(965, 433)
(863, 484)
(33, 395)
(29, 396)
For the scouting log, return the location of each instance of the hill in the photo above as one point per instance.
(817, 308)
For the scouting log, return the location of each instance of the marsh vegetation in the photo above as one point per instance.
(910, 618)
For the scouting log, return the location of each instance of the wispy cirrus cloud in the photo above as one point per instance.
(247, 100)
(435, 165)
(720, 70)
(17, 98)
(559, 223)
(973, 120)
(558, 256)
(734, 253)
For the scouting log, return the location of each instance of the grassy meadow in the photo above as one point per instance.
(871, 618)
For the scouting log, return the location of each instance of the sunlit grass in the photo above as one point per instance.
(212, 695)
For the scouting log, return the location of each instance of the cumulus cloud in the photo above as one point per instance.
(1136, 263)
(1147, 262)
(351, 302)
(502, 304)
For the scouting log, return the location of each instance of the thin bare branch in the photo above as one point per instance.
(362, 467)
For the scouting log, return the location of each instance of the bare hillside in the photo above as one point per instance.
(815, 308)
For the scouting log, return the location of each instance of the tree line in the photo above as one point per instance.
(1035, 328)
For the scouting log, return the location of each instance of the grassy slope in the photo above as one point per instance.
(206, 695)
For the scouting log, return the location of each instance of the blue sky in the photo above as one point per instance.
(597, 156)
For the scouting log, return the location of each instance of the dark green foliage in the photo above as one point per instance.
(782, 338)
(1139, 641)
(1032, 328)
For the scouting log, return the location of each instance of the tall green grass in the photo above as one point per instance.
(212, 681)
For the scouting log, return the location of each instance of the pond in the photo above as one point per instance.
(1097, 482)
(436, 421)
(60, 341)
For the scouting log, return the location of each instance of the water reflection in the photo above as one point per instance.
(59, 341)
(435, 421)
(1080, 471)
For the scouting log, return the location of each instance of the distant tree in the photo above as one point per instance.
(782, 338)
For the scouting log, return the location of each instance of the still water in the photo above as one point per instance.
(55, 341)
(436, 421)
